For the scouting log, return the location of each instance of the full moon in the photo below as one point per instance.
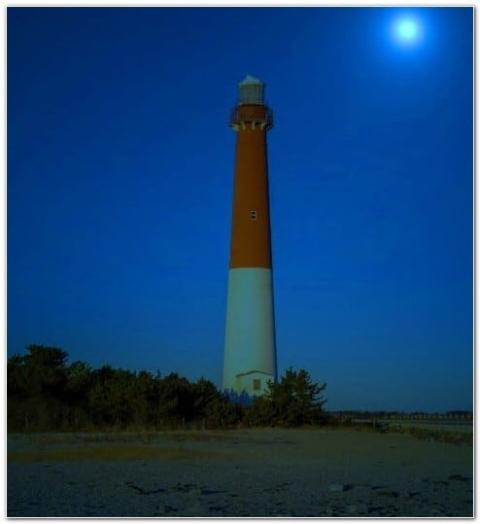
(407, 30)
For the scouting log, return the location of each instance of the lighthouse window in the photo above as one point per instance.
(256, 384)
(253, 214)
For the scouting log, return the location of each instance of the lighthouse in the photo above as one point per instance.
(250, 353)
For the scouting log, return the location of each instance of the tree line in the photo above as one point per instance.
(45, 393)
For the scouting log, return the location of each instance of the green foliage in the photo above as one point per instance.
(294, 401)
(44, 393)
(35, 384)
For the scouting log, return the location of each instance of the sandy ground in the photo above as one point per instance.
(271, 472)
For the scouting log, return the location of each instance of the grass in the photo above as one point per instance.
(142, 445)
(436, 435)
(429, 434)
(111, 453)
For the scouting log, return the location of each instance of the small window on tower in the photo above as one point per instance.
(256, 384)
(253, 214)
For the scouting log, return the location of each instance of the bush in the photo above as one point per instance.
(46, 394)
(294, 401)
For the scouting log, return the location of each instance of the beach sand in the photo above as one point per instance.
(250, 473)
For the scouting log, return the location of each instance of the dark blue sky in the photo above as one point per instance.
(120, 166)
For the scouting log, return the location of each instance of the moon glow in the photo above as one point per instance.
(407, 31)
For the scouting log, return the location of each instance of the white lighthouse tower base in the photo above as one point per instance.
(250, 356)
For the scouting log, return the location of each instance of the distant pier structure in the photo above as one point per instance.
(250, 352)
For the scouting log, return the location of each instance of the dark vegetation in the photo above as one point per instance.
(449, 437)
(45, 394)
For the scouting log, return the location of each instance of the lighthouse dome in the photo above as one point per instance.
(251, 90)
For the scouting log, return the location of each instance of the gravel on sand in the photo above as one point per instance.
(249, 473)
